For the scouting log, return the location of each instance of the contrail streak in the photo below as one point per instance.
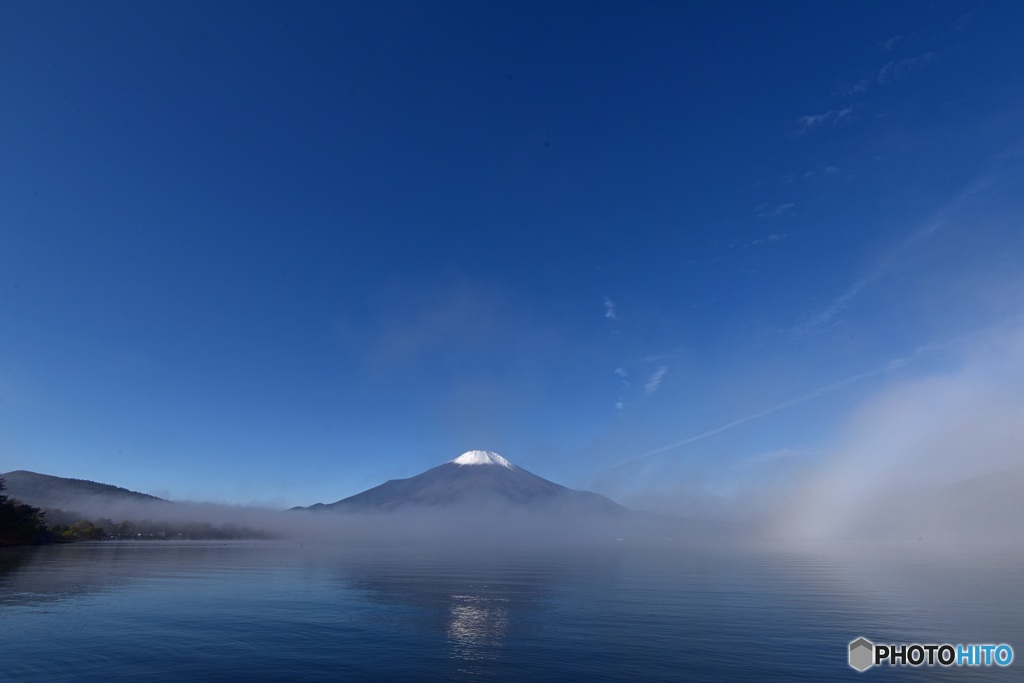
(892, 365)
(827, 389)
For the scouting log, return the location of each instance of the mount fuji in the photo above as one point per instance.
(477, 478)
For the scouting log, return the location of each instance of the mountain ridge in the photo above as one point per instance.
(475, 478)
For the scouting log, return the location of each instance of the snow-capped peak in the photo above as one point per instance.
(482, 458)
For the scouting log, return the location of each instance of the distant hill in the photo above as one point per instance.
(47, 492)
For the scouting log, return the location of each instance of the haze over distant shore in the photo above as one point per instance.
(480, 493)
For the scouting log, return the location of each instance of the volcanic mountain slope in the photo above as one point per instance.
(478, 478)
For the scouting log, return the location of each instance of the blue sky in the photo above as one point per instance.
(281, 252)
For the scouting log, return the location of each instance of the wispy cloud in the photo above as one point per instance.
(901, 68)
(610, 311)
(654, 381)
(833, 117)
(661, 356)
(889, 44)
(964, 21)
(760, 241)
(765, 211)
(892, 71)
(853, 89)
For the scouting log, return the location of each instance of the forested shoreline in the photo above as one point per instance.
(22, 524)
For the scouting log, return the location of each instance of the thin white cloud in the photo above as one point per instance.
(610, 311)
(853, 89)
(888, 45)
(760, 241)
(764, 210)
(835, 117)
(654, 381)
(661, 356)
(898, 69)
(963, 22)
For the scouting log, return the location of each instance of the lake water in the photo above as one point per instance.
(283, 611)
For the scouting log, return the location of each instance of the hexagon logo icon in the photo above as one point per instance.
(862, 654)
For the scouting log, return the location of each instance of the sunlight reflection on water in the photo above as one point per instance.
(476, 621)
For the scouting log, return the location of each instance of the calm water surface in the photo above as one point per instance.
(282, 611)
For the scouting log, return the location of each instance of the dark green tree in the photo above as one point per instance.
(20, 524)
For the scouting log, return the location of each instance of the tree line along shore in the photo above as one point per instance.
(22, 524)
